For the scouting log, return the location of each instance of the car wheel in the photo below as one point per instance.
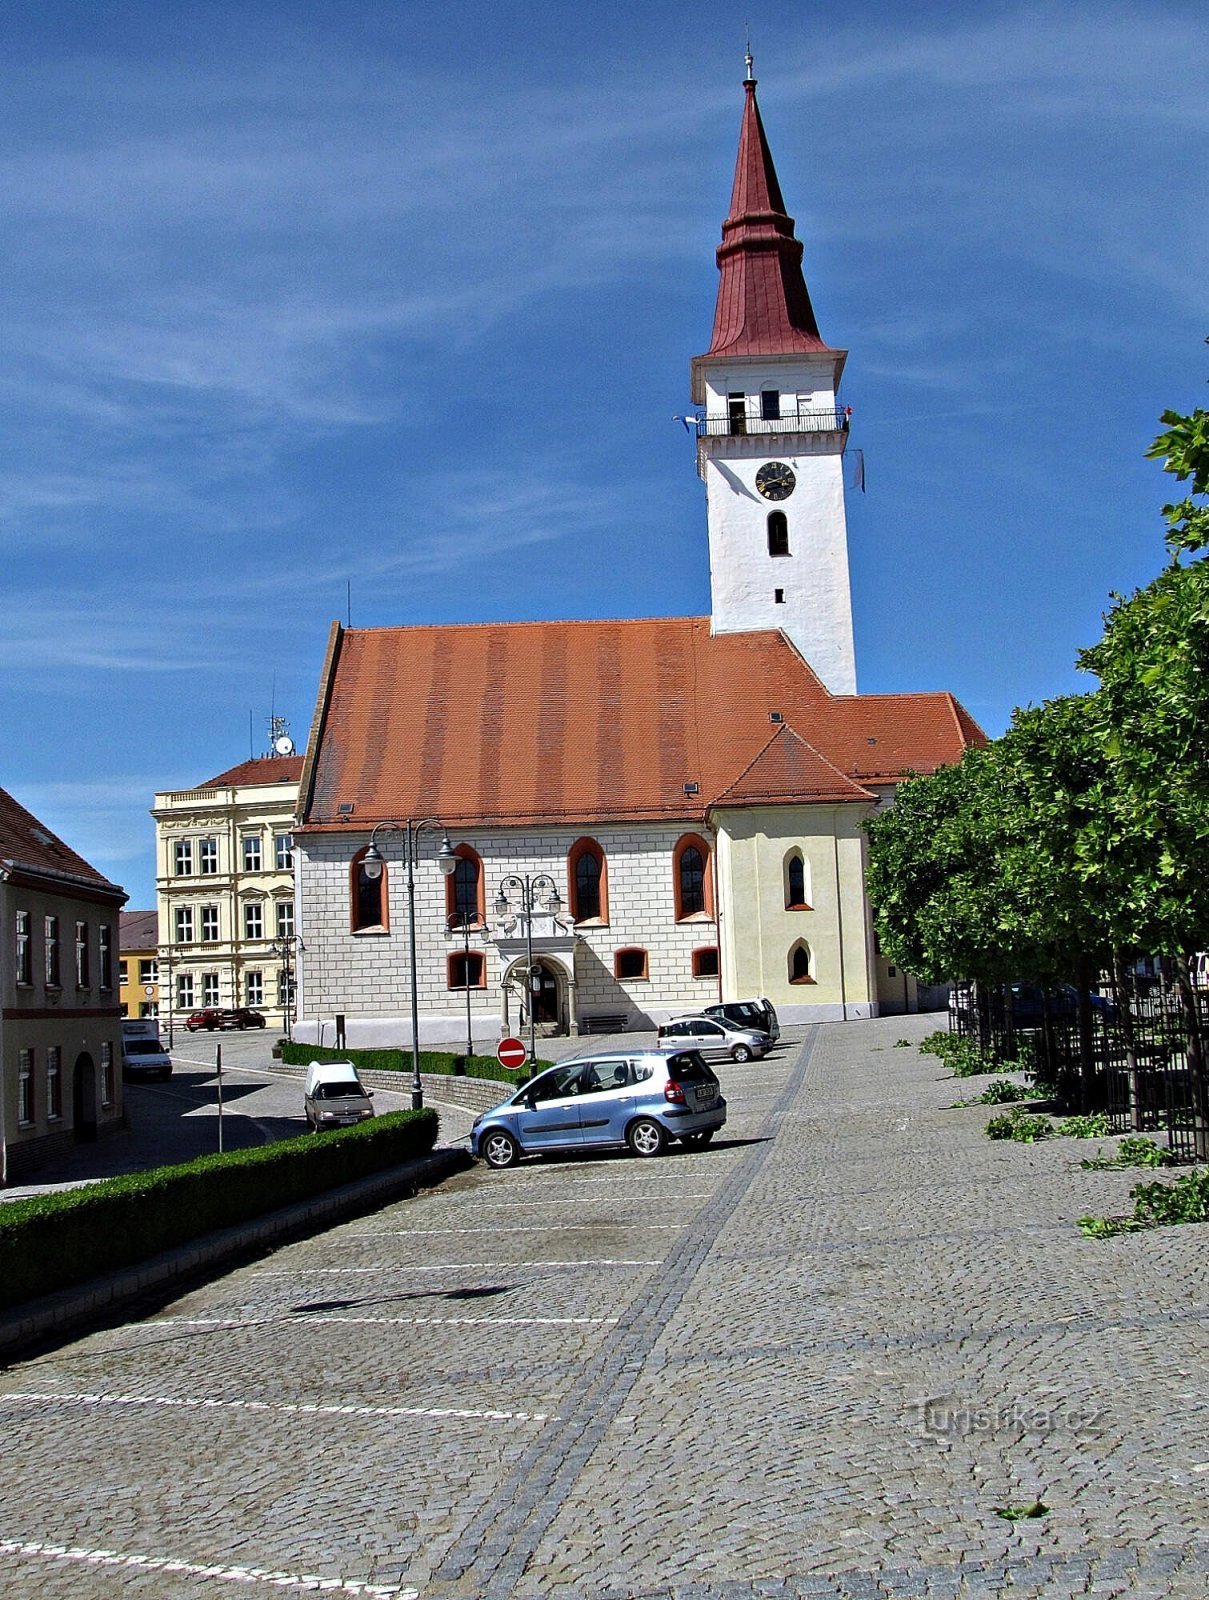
(645, 1137)
(740, 1053)
(500, 1150)
(697, 1141)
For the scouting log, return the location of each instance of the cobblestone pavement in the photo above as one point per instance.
(811, 1360)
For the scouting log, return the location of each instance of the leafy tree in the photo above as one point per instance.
(1185, 449)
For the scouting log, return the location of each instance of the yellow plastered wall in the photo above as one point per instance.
(759, 931)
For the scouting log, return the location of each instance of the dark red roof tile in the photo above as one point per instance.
(260, 769)
(537, 722)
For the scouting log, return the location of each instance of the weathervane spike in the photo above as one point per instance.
(751, 74)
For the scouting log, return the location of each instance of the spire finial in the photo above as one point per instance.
(751, 65)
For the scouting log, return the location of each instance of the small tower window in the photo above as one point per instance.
(778, 533)
(799, 963)
(770, 405)
(778, 597)
(737, 407)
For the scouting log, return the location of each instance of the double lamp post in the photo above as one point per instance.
(372, 864)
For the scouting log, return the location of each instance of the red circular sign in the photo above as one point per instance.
(511, 1053)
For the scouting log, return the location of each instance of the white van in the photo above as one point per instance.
(334, 1096)
(143, 1053)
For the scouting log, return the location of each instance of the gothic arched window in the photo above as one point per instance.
(778, 533)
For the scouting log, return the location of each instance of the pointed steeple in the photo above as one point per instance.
(763, 304)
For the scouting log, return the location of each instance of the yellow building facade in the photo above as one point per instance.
(225, 891)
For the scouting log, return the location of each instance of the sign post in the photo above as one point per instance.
(511, 1053)
(218, 1069)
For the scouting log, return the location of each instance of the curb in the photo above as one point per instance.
(94, 1300)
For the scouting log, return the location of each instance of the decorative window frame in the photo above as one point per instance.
(792, 903)
(583, 847)
(799, 946)
(693, 841)
(631, 977)
(361, 929)
(466, 852)
(467, 959)
(703, 966)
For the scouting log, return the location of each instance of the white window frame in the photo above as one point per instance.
(25, 950)
(254, 988)
(182, 922)
(54, 1083)
(283, 847)
(25, 1088)
(210, 990)
(209, 924)
(284, 912)
(207, 856)
(184, 991)
(106, 1073)
(251, 852)
(253, 919)
(182, 858)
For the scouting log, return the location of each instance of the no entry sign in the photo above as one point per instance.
(511, 1053)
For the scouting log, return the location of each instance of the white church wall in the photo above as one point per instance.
(365, 976)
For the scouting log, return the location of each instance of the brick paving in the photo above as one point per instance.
(811, 1360)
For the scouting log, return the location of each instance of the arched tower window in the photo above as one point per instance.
(464, 900)
(368, 898)
(778, 533)
(799, 963)
(797, 882)
(691, 878)
(587, 882)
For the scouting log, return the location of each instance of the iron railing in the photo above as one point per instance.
(797, 422)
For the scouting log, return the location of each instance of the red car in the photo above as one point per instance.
(211, 1018)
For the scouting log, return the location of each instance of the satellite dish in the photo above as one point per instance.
(284, 746)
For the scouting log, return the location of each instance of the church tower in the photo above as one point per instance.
(771, 442)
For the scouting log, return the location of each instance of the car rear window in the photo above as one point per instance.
(689, 1067)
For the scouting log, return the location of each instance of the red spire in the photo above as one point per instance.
(763, 305)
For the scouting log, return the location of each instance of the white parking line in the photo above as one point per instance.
(596, 1200)
(285, 1407)
(192, 1569)
(538, 1227)
(384, 1322)
(444, 1266)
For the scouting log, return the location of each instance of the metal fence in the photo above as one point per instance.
(1136, 1071)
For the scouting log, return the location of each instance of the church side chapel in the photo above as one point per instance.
(670, 812)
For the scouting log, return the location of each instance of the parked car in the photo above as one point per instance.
(242, 1017)
(758, 1015)
(716, 1038)
(143, 1052)
(334, 1096)
(210, 1018)
(639, 1098)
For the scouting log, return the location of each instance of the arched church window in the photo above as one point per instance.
(587, 882)
(799, 963)
(367, 896)
(691, 878)
(464, 889)
(778, 533)
(797, 882)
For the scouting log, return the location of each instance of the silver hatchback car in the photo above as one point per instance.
(640, 1098)
(716, 1038)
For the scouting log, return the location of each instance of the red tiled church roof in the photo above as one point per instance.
(260, 769)
(26, 842)
(526, 723)
(763, 304)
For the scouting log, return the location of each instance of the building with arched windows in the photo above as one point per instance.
(650, 815)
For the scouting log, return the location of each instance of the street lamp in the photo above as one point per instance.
(530, 888)
(282, 950)
(372, 864)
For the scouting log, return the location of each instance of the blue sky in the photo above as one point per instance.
(403, 297)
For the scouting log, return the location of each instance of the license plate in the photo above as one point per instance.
(705, 1097)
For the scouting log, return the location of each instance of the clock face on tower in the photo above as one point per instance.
(775, 480)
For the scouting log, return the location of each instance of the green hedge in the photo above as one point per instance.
(51, 1241)
(400, 1061)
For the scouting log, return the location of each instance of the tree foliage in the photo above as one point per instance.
(1185, 451)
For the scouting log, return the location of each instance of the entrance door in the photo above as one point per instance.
(84, 1099)
(545, 996)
